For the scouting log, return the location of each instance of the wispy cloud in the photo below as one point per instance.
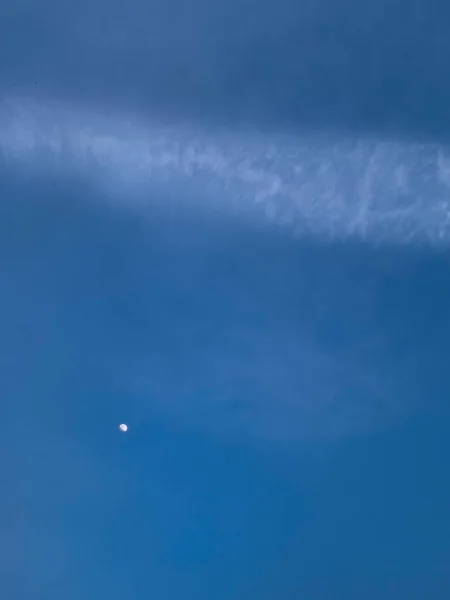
(323, 185)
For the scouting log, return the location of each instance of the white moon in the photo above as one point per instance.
(123, 427)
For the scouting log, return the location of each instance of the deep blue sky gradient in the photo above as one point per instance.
(287, 399)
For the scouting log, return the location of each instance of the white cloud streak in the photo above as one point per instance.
(320, 185)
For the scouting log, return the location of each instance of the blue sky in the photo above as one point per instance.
(226, 226)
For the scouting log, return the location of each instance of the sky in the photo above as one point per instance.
(226, 225)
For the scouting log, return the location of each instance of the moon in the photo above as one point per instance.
(123, 427)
